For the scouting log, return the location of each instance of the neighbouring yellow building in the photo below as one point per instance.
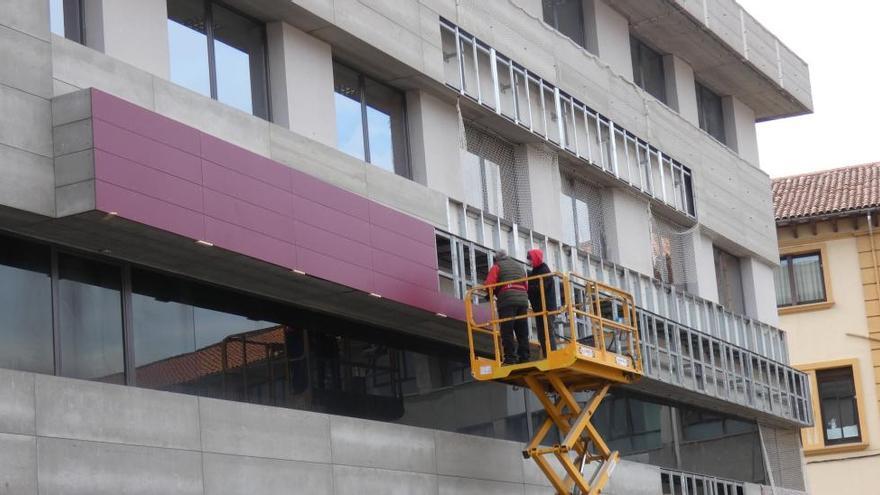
(827, 285)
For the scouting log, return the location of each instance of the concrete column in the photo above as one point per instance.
(759, 293)
(681, 93)
(607, 35)
(706, 283)
(134, 31)
(434, 143)
(545, 186)
(628, 230)
(301, 83)
(739, 129)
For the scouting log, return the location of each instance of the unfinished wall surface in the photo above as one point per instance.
(64, 436)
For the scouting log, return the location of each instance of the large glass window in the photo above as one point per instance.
(370, 120)
(219, 53)
(729, 279)
(711, 114)
(90, 319)
(839, 406)
(65, 19)
(800, 280)
(26, 307)
(567, 17)
(648, 71)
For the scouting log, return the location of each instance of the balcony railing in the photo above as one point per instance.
(681, 483)
(476, 70)
(712, 362)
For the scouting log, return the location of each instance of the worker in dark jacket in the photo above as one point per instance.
(536, 259)
(512, 301)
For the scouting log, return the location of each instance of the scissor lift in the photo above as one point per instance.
(597, 347)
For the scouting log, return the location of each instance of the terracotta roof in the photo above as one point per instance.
(829, 192)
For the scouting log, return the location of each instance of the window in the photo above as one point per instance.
(648, 71)
(581, 207)
(370, 120)
(800, 279)
(219, 53)
(729, 279)
(65, 19)
(710, 112)
(672, 253)
(567, 17)
(838, 405)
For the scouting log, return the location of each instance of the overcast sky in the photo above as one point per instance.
(839, 41)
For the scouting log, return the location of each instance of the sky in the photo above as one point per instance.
(839, 42)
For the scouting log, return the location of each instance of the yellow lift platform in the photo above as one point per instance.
(597, 347)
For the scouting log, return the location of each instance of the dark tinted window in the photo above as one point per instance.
(567, 17)
(729, 281)
(65, 19)
(840, 412)
(648, 71)
(710, 112)
(25, 306)
(370, 120)
(90, 319)
(218, 53)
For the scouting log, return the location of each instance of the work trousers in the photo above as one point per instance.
(515, 349)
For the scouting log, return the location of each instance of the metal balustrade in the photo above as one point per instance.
(477, 71)
(681, 483)
(713, 362)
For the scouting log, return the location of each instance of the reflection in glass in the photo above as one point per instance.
(240, 59)
(188, 45)
(90, 319)
(65, 19)
(349, 117)
(26, 307)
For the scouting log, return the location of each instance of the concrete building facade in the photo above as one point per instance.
(235, 237)
(828, 233)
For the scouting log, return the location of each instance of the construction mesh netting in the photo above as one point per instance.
(582, 215)
(672, 251)
(783, 457)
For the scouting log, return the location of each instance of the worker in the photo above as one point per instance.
(548, 303)
(513, 302)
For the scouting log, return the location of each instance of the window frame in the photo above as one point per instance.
(806, 250)
(813, 437)
(406, 169)
(555, 18)
(212, 61)
(638, 46)
(699, 89)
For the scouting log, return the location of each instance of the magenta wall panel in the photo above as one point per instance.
(164, 174)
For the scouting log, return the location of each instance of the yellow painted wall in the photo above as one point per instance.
(841, 331)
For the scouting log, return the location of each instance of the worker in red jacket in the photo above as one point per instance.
(512, 301)
(548, 303)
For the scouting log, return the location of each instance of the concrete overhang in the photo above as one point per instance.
(730, 52)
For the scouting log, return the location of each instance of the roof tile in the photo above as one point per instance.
(827, 192)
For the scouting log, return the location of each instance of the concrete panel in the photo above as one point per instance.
(470, 456)
(212, 117)
(468, 486)
(83, 67)
(318, 160)
(75, 167)
(349, 480)
(76, 198)
(704, 262)
(28, 181)
(739, 129)
(26, 16)
(612, 36)
(17, 405)
(298, 96)
(78, 409)
(18, 464)
(357, 442)
(60, 88)
(681, 93)
(31, 59)
(634, 478)
(71, 107)
(260, 431)
(405, 195)
(234, 475)
(434, 143)
(30, 128)
(72, 137)
(73, 467)
(133, 31)
(759, 295)
(628, 230)
(544, 183)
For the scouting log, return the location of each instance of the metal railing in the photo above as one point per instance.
(674, 351)
(681, 483)
(477, 71)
